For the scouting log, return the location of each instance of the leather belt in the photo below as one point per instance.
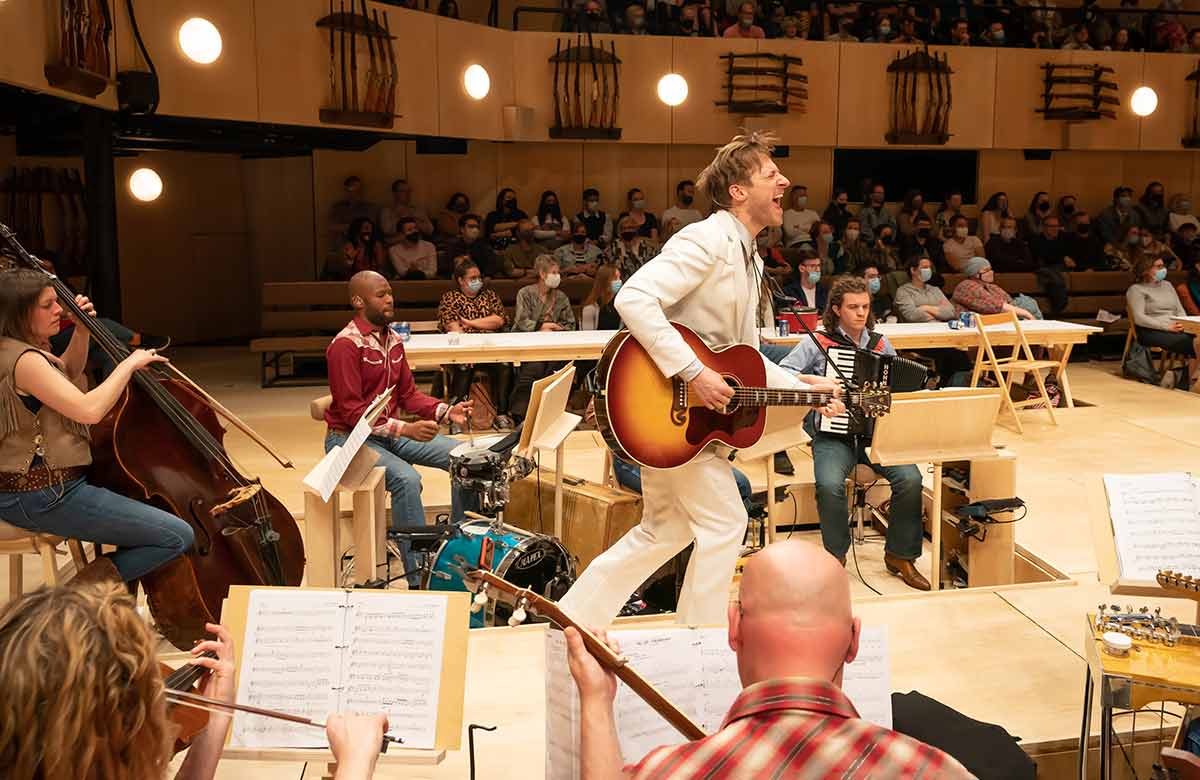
(39, 478)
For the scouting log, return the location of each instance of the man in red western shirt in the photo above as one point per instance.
(365, 360)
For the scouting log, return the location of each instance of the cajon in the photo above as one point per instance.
(594, 516)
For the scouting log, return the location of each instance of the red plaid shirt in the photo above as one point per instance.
(798, 728)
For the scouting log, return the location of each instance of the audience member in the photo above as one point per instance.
(401, 207)
(470, 242)
(980, 293)
(855, 249)
(828, 248)
(875, 214)
(882, 31)
(920, 301)
(592, 19)
(1181, 213)
(994, 35)
(518, 258)
(884, 252)
(1007, 252)
(599, 225)
(598, 311)
(361, 251)
(1152, 210)
(1153, 302)
(350, 208)
(688, 24)
(1120, 41)
(1084, 244)
(960, 33)
(923, 243)
(1115, 220)
(683, 213)
(580, 256)
(632, 250)
(882, 296)
(1065, 210)
(961, 246)
(447, 220)
(1153, 248)
(769, 242)
(1120, 255)
(1050, 253)
(789, 29)
(501, 224)
(908, 32)
(848, 321)
(745, 27)
(911, 209)
(1039, 208)
(474, 308)
(635, 20)
(838, 213)
(540, 306)
(412, 257)
(1193, 41)
(1046, 23)
(550, 229)
(448, 8)
(844, 32)
(994, 211)
(1184, 245)
(1078, 40)
(804, 283)
(943, 220)
(798, 219)
(643, 221)
(1189, 292)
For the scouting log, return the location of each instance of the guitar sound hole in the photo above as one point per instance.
(733, 404)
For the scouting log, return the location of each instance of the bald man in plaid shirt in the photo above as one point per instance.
(793, 632)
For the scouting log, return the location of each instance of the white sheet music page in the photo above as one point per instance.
(393, 662)
(1155, 521)
(328, 472)
(668, 660)
(290, 663)
(868, 681)
(562, 712)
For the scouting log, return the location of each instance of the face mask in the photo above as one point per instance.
(412, 238)
(814, 277)
(459, 208)
(923, 233)
(827, 238)
(884, 30)
(615, 285)
(1044, 205)
(1184, 207)
(998, 36)
(510, 204)
(1147, 240)
(841, 204)
(592, 205)
(552, 280)
(925, 273)
(1083, 228)
(525, 235)
(578, 239)
(1068, 209)
(1133, 240)
(475, 285)
(1008, 234)
(851, 235)
(873, 285)
(638, 22)
(886, 238)
(628, 235)
(686, 24)
(1160, 274)
(1125, 201)
(687, 200)
(745, 23)
(801, 201)
(471, 233)
(876, 198)
(1156, 198)
(961, 232)
(640, 203)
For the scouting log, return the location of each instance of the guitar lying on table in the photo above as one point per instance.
(648, 418)
(484, 584)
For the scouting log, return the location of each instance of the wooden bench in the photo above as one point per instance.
(299, 318)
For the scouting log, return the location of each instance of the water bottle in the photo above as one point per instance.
(403, 330)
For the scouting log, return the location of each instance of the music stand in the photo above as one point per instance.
(547, 425)
(935, 426)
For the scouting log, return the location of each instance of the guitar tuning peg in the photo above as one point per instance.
(518, 615)
(1115, 607)
(1128, 609)
(481, 597)
(1144, 610)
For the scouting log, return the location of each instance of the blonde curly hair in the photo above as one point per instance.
(83, 695)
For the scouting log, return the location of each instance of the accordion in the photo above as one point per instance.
(897, 374)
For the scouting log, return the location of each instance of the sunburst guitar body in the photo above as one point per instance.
(649, 419)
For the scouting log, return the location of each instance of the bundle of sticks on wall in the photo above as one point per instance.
(1078, 93)
(45, 207)
(83, 64)
(764, 83)
(360, 96)
(921, 98)
(586, 89)
(1192, 139)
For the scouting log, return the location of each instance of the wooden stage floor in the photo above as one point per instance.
(1009, 655)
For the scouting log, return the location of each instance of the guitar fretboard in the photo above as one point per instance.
(770, 396)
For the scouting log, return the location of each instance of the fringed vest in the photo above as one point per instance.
(61, 442)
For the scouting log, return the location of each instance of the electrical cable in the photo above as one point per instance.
(137, 36)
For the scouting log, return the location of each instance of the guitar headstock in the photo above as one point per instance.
(486, 584)
(1142, 624)
(874, 400)
(1179, 584)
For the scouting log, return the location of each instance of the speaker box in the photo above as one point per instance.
(137, 91)
(1038, 154)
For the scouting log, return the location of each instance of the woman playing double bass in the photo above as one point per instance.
(44, 443)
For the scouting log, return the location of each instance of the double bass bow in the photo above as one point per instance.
(162, 444)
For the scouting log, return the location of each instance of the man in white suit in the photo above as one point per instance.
(709, 278)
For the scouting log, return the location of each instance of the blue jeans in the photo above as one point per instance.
(774, 352)
(629, 476)
(145, 537)
(397, 456)
(833, 459)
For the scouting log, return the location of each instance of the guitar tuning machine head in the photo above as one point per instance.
(519, 614)
(480, 599)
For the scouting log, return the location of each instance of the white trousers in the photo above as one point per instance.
(698, 501)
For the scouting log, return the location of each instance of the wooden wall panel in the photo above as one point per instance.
(280, 218)
(864, 94)
(1007, 170)
(531, 169)
(614, 169)
(812, 167)
(459, 45)
(1166, 74)
(224, 89)
(1119, 133)
(972, 88)
(818, 125)
(421, 89)
(29, 34)
(1018, 92)
(533, 76)
(435, 177)
(1090, 176)
(1170, 168)
(698, 60)
(686, 162)
(378, 167)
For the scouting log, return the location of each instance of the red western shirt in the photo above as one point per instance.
(365, 362)
(797, 728)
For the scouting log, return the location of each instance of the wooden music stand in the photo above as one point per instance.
(547, 425)
(936, 426)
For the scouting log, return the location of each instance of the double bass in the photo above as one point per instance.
(163, 444)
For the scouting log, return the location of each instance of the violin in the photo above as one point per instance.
(162, 444)
(189, 721)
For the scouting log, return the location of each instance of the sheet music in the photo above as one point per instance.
(325, 476)
(1156, 522)
(562, 712)
(668, 659)
(393, 662)
(868, 681)
(291, 662)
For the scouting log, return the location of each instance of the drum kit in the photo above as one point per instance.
(538, 562)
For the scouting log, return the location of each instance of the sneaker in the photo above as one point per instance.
(503, 423)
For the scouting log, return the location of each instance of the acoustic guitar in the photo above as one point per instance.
(648, 418)
(485, 584)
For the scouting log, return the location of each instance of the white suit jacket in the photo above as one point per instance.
(698, 280)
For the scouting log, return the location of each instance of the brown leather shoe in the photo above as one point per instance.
(907, 572)
(99, 570)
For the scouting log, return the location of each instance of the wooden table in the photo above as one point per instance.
(1190, 324)
(1057, 336)
(435, 349)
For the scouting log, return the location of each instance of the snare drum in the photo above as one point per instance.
(527, 560)
(474, 466)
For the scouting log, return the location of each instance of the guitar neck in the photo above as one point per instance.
(770, 396)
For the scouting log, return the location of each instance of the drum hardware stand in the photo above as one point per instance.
(471, 729)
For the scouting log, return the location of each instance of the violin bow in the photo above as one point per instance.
(196, 701)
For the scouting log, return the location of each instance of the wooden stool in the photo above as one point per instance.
(323, 531)
(17, 542)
